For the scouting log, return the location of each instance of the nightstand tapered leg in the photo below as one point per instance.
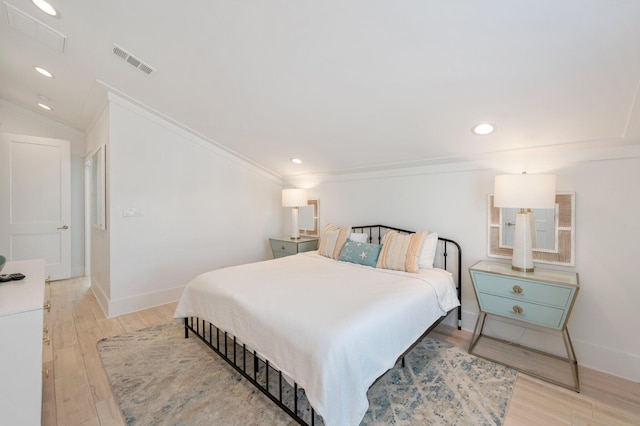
(477, 331)
(571, 358)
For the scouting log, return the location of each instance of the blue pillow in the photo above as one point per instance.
(360, 253)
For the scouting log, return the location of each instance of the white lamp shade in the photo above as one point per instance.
(525, 191)
(294, 197)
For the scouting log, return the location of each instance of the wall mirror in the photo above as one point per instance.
(555, 231)
(97, 184)
(308, 219)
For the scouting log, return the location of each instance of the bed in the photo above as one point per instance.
(314, 333)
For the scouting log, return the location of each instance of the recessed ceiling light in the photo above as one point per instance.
(46, 7)
(483, 129)
(296, 161)
(43, 106)
(43, 72)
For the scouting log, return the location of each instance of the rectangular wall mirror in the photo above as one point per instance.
(555, 231)
(97, 164)
(308, 219)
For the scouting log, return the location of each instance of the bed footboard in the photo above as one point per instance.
(259, 372)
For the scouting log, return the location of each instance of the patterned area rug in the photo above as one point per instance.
(160, 378)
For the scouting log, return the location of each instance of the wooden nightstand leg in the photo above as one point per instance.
(477, 330)
(571, 358)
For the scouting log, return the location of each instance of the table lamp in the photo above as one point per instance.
(525, 192)
(294, 198)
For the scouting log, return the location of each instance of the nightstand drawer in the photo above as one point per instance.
(284, 248)
(308, 246)
(529, 312)
(524, 290)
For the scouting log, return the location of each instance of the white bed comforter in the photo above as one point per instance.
(334, 327)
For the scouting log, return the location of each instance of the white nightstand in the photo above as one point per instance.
(544, 298)
(285, 246)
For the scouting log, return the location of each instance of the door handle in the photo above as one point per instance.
(63, 227)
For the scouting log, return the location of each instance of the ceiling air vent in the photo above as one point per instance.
(123, 54)
(35, 29)
(145, 68)
(119, 52)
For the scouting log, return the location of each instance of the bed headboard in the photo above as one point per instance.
(445, 246)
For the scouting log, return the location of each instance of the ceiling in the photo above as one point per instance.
(343, 85)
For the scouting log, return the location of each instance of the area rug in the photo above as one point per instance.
(160, 378)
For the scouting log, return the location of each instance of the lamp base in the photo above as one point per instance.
(295, 231)
(522, 258)
(519, 269)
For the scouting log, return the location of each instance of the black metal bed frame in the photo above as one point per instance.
(257, 371)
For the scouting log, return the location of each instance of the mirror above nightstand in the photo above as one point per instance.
(558, 248)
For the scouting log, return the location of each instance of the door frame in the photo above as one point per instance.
(87, 215)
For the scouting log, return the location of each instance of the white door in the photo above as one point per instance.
(35, 201)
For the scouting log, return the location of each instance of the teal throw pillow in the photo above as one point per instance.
(360, 253)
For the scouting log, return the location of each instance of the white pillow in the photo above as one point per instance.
(428, 253)
(359, 237)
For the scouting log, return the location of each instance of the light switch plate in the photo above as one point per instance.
(133, 212)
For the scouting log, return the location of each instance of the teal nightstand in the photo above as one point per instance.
(285, 246)
(544, 298)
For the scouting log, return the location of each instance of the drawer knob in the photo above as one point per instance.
(517, 309)
(517, 289)
(282, 248)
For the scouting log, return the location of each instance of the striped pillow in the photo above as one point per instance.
(332, 240)
(401, 252)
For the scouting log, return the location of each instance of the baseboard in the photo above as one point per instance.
(468, 318)
(100, 295)
(143, 301)
(607, 360)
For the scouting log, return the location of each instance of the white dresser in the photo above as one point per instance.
(21, 334)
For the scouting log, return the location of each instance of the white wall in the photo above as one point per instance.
(19, 120)
(203, 209)
(452, 202)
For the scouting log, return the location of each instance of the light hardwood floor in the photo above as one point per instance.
(77, 390)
